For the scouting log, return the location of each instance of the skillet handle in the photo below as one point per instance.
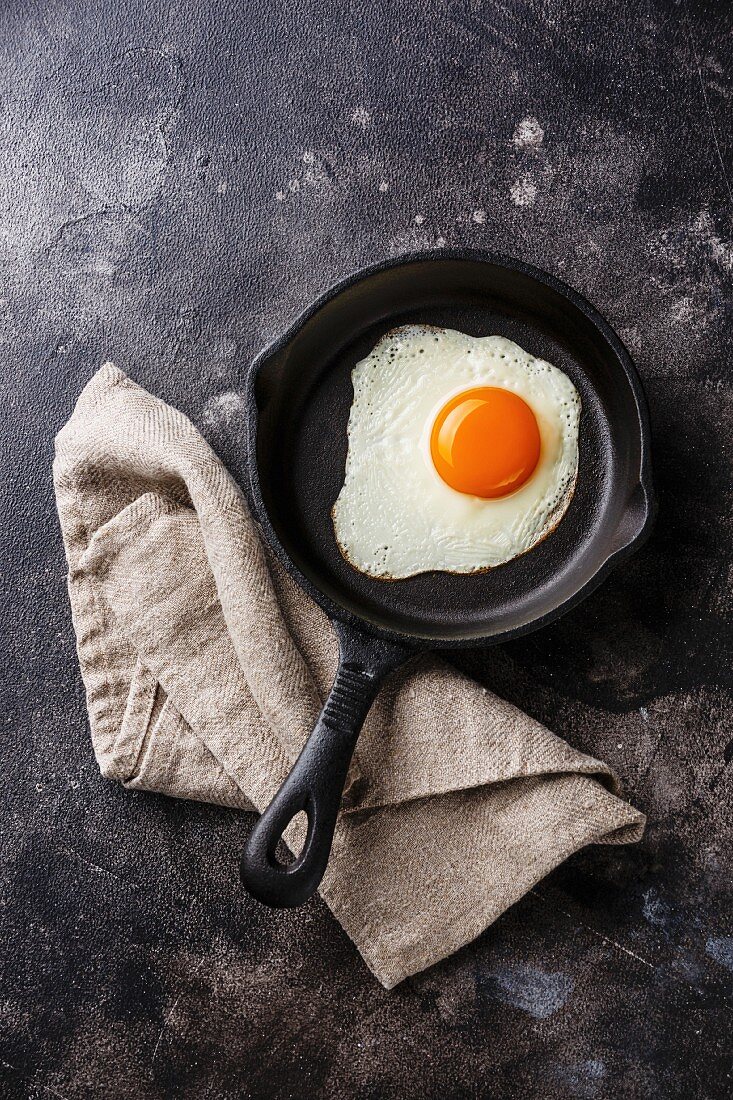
(316, 782)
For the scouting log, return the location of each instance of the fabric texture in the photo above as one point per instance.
(205, 668)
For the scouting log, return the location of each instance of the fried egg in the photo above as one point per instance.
(462, 454)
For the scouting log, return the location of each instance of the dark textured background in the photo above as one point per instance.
(177, 181)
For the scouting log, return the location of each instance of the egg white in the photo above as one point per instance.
(395, 516)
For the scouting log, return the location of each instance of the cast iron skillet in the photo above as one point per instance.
(298, 399)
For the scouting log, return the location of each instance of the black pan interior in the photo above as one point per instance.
(303, 394)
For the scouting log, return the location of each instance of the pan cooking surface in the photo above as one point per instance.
(304, 394)
(319, 456)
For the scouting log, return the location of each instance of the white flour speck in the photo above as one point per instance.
(361, 117)
(683, 310)
(294, 185)
(528, 133)
(226, 410)
(523, 191)
(279, 195)
(704, 229)
(419, 219)
(316, 173)
(720, 948)
(534, 991)
(384, 186)
(308, 157)
(222, 188)
(479, 216)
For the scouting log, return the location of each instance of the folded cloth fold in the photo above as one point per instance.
(205, 668)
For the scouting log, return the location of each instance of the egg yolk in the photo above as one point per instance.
(485, 442)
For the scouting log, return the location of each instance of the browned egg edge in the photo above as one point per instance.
(557, 518)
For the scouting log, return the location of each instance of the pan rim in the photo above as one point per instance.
(341, 614)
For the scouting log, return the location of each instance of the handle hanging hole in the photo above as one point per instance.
(295, 834)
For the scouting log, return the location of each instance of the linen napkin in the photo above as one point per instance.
(205, 668)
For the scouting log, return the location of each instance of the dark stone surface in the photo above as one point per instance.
(177, 182)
